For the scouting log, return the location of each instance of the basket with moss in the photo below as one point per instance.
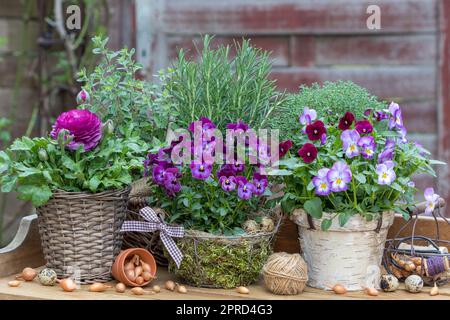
(224, 206)
(219, 261)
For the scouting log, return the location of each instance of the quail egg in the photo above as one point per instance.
(250, 226)
(47, 277)
(267, 224)
(388, 283)
(414, 283)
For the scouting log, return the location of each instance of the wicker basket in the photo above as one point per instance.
(80, 233)
(222, 261)
(346, 255)
(150, 241)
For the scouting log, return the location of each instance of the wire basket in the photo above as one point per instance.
(419, 255)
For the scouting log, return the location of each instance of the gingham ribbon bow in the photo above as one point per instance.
(154, 222)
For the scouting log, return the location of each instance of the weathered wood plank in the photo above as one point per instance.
(278, 46)
(25, 249)
(290, 16)
(33, 290)
(15, 8)
(385, 82)
(376, 50)
(444, 99)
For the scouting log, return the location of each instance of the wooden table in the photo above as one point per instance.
(25, 250)
(34, 290)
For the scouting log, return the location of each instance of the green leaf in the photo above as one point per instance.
(314, 207)
(8, 183)
(437, 162)
(343, 218)
(186, 202)
(310, 186)
(396, 186)
(39, 195)
(94, 182)
(326, 224)
(360, 178)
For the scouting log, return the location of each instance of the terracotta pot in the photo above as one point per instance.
(118, 269)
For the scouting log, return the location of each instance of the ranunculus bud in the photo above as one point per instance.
(43, 156)
(108, 128)
(83, 97)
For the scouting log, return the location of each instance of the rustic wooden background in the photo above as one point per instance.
(407, 60)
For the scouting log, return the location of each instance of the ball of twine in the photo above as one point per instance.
(285, 273)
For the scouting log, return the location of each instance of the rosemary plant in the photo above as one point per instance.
(220, 87)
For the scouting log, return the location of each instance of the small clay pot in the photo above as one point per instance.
(118, 269)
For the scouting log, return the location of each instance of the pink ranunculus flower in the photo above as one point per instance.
(84, 126)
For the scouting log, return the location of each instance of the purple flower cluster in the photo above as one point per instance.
(354, 145)
(396, 121)
(335, 179)
(230, 176)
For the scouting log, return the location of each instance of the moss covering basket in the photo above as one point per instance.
(222, 261)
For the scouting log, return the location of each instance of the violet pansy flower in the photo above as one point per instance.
(321, 182)
(308, 116)
(315, 130)
(228, 183)
(160, 173)
(388, 152)
(240, 125)
(350, 140)
(323, 139)
(245, 188)
(396, 119)
(338, 176)
(200, 171)
(260, 183)
(431, 200)
(367, 146)
(363, 127)
(346, 121)
(171, 183)
(386, 173)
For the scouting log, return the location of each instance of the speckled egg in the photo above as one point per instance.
(388, 283)
(47, 277)
(414, 283)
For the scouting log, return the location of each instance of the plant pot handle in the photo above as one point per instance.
(310, 222)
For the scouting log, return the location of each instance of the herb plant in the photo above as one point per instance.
(114, 93)
(332, 99)
(354, 166)
(220, 87)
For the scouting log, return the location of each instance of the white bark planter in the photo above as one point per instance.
(347, 255)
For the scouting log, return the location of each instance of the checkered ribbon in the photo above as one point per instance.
(154, 222)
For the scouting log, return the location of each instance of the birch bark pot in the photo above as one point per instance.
(348, 255)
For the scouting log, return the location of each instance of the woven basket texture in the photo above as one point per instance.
(150, 241)
(80, 233)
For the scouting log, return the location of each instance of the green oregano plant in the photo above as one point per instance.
(114, 92)
(220, 87)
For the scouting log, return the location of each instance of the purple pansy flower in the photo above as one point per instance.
(388, 152)
(260, 183)
(226, 170)
(367, 146)
(338, 176)
(323, 139)
(200, 171)
(238, 125)
(284, 148)
(171, 182)
(350, 140)
(321, 182)
(238, 167)
(84, 126)
(228, 183)
(315, 130)
(308, 116)
(245, 188)
(364, 127)
(308, 152)
(431, 200)
(160, 172)
(396, 119)
(346, 121)
(386, 173)
(205, 122)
